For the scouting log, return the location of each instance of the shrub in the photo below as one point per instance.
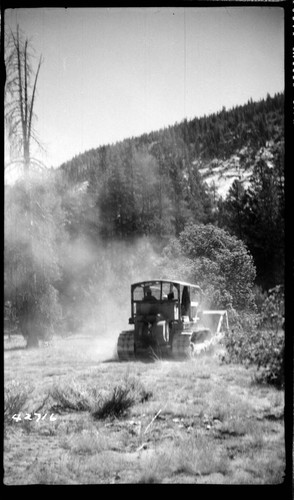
(264, 349)
(258, 339)
(259, 297)
(215, 260)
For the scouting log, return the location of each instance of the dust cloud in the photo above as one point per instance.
(99, 289)
(87, 278)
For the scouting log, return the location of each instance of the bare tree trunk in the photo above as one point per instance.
(23, 106)
(20, 118)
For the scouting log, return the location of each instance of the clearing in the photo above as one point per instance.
(199, 421)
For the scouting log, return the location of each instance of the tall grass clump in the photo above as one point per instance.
(122, 397)
(116, 404)
(15, 397)
(74, 397)
(137, 388)
(258, 339)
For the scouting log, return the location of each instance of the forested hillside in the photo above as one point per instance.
(226, 169)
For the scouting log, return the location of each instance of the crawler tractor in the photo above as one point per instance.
(168, 320)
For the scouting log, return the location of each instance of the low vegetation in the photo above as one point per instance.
(122, 397)
(258, 339)
(72, 397)
(16, 395)
(116, 405)
(198, 421)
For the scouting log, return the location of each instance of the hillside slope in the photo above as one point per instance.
(220, 174)
(198, 171)
(222, 146)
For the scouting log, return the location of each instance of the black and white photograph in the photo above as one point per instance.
(144, 245)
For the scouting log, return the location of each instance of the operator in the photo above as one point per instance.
(149, 297)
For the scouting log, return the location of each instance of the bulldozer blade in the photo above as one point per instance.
(215, 320)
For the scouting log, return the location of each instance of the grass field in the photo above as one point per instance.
(198, 421)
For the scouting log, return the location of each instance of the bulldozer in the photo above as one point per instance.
(169, 321)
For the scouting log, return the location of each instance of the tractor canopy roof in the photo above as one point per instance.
(156, 282)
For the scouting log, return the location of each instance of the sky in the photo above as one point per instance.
(114, 73)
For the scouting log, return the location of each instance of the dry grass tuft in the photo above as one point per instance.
(16, 395)
(116, 404)
(190, 456)
(87, 442)
(74, 397)
(122, 397)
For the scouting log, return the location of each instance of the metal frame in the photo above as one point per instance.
(177, 284)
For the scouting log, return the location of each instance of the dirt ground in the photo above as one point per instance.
(201, 422)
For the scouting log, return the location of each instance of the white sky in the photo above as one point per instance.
(109, 74)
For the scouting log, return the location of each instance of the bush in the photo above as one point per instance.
(259, 297)
(40, 315)
(215, 260)
(258, 339)
(262, 348)
(33, 231)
